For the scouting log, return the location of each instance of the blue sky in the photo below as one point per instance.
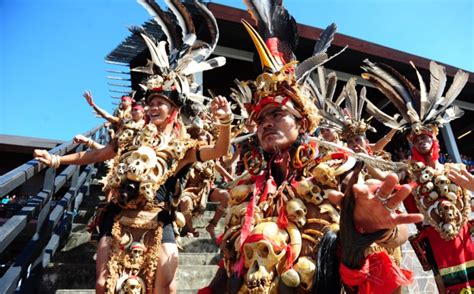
(53, 50)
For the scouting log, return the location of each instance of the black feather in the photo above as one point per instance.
(325, 39)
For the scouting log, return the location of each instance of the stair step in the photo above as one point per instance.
(68, 276)
(199, 245)
(198, 258)
(195, 276)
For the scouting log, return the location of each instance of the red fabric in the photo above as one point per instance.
(452, 253)
(267, 100)
(270, 188)
(245, 231)
(434, 154)
(282, 218)
(272, 45)
(137, 106)
(125, 98)
(206, 290)
(378, 275)
(219, 239)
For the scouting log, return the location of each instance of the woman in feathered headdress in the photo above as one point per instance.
(444, 242)
(137, 249)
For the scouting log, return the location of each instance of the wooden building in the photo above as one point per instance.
(236, 46)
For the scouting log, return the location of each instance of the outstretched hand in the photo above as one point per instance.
(220, 107)
(462, 177)
(88, 95)
(80, 139)
(377, 202)
(42, 156)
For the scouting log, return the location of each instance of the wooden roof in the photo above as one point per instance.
(132, 51)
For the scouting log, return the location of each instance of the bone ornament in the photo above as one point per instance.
(296, 212)
(426, 174)
(309, 191)
(263, 257)
(125, 136)
(325, 175)
(442, 184)
(147, 190)
(291, 278)
(239, 193)
(137, 251)
(128, 284)
(179, 219)
(147, 136)
(140, 163)
(306, 268)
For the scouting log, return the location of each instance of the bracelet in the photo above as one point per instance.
(55, 161)
(226, 121)
(89, 143)
(389, 237)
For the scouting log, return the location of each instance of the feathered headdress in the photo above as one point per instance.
(174, 61)
(420, 110)
(347, 120)
(284, 81)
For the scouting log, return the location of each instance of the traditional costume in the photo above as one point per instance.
(444, 242)
(281, 229)
(143, 181)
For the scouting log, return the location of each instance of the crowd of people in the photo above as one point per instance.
(310, 204)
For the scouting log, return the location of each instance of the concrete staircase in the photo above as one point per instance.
(72, 269)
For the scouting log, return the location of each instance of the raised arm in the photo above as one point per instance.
(112, 119)
(80, 139)
(380, 144)
(80, 158)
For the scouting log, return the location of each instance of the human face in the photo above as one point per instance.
(357, 144)
(159, 111)
(329, 135)
(423, 143)
(277, 129)
(126, 103)
(137, 114)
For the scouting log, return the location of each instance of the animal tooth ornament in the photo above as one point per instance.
(446, 206)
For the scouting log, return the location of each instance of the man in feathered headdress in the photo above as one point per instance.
(444, 243)
(281, 232)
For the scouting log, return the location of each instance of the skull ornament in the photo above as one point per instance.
(137, 251)
(121, 169)
(262, 257)
(147, 135)
(309, 191)
(296, 211)
(140, 163)
(426, 175)
(306, 268)
(132, 286)
(416, 167)
(447, 211)
(426, 188)
(125, 136)
(147, 190)
(324, 174)
(442, 183)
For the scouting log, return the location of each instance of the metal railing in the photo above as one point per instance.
(49, 219)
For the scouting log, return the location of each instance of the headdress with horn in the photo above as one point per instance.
(171, 69)
(284, 81)
(420, 110)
